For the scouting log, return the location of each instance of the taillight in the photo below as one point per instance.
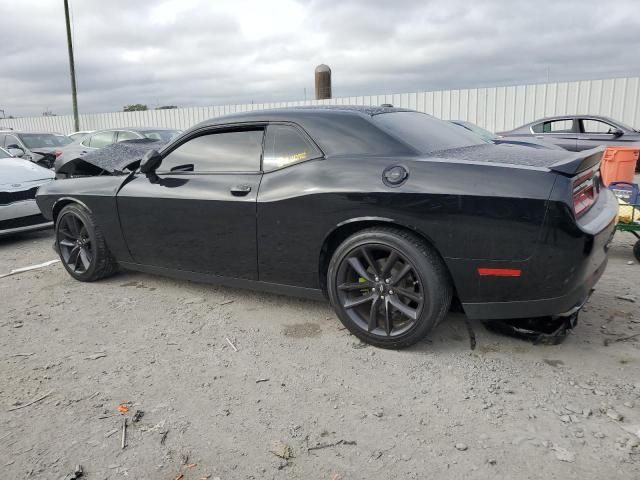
(585, 192)
(57, 153)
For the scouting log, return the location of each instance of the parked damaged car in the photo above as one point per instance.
(19, 181)
(388, 213)
(103, 138)
(39, 147)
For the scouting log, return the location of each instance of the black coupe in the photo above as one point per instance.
(389, 213)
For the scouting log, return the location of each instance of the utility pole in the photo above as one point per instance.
(72, 68)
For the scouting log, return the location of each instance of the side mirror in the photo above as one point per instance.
(617, 133)
(150, 162)
(15, 151)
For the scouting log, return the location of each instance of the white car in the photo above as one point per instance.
(19, 181)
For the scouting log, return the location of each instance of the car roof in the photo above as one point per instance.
(36, 132)
(336, 129)
(572, 116)
(132, 129)
(302, 111)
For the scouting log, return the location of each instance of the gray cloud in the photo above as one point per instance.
(198, 52)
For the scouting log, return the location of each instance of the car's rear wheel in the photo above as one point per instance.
(636, 250)
(81, 245)
(388, 287)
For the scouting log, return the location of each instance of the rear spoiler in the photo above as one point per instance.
(577, 162)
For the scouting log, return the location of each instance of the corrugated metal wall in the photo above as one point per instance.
(494, 108)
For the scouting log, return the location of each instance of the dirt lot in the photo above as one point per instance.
(341, 409)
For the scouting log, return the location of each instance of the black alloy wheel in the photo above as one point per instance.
(379, 289)
(388, 286)
(81, 245)
(74, 243)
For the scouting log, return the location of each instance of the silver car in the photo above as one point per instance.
(19, 181)
(577, 132)
(39, 147)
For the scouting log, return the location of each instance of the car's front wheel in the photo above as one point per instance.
(81, 245)
(388, 287)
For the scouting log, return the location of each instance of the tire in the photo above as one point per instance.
(82, 249)
(388, 306)
(636, 250)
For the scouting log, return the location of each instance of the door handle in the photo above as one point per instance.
(240, 190)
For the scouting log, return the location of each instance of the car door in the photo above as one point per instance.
(199, 212)
(595, 132)
(559, 131)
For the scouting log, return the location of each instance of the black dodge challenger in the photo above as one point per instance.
(389, 213)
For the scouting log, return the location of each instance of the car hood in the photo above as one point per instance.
(17, 170)
(45, 149)
(112, 159)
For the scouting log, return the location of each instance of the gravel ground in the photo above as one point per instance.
(299, 385)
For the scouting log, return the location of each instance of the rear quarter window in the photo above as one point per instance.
(426, 133)
(285, 145)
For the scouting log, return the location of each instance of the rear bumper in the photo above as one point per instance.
(557, 306)
(585, 260)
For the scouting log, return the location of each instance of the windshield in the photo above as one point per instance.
(626, 127)
(42, 140)
(4, 153)
(426, 133)
(472, 127)
(78, 135)
(164, 135)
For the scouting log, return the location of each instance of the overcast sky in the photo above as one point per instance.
(209, 52)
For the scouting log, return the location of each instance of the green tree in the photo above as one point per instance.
(136, 107)
(166, 107)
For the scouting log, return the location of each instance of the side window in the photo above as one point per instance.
(554, 126)
(125, 135)
(285, 145)
(217, 152)
(596, 126)
(99, 140)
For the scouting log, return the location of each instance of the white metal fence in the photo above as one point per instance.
(494, 108)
